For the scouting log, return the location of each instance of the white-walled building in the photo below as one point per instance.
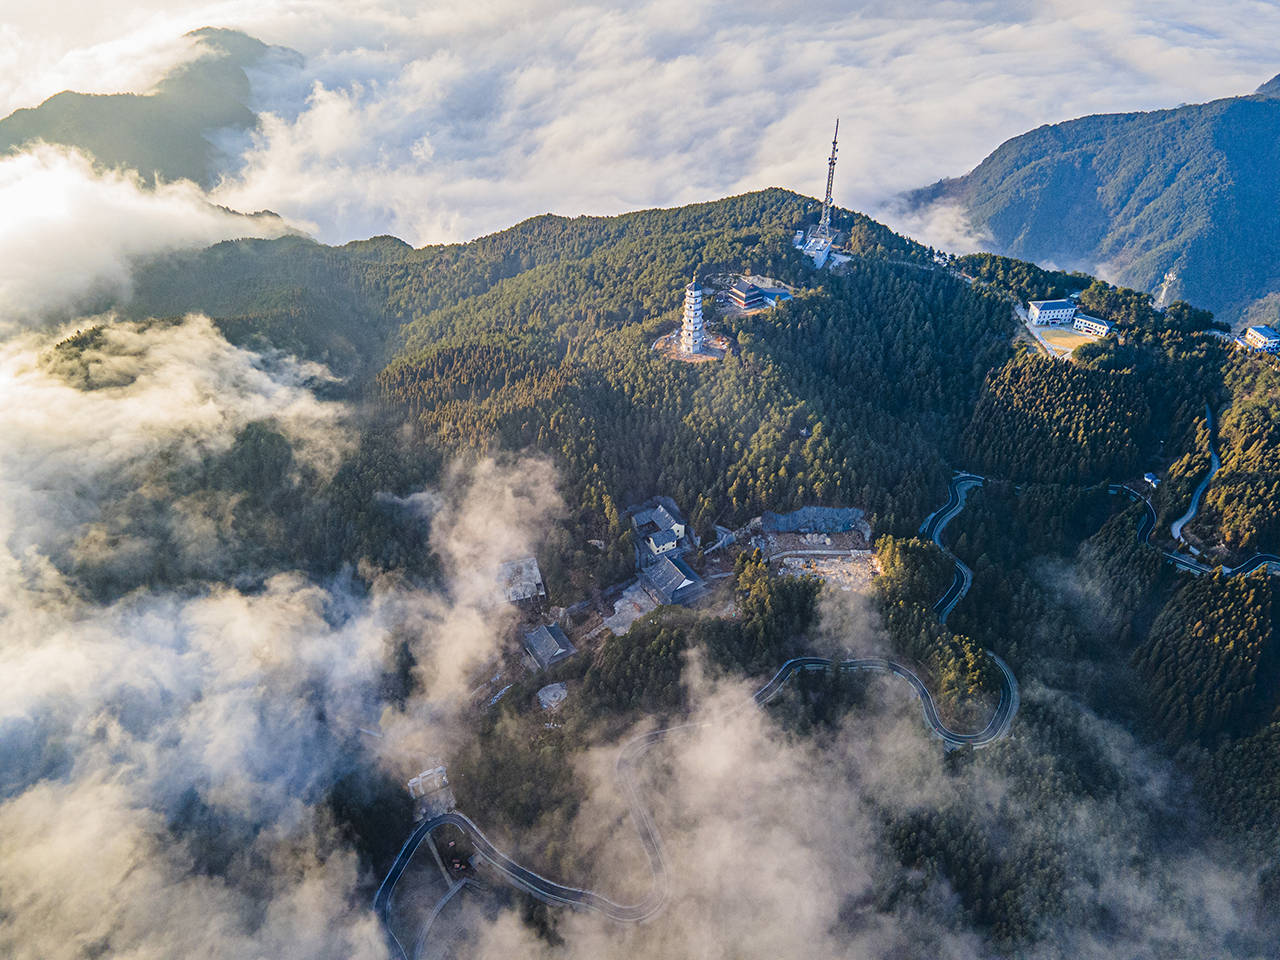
(1043, 312)
(1264, 339)
(692, 335)
(1091, 325)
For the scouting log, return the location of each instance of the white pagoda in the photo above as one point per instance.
(692, 335)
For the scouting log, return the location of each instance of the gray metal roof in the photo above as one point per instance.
(659, 516)
(1054, 304)
(1261, 331)
(663, 537)
(548, 645)
(671, 579)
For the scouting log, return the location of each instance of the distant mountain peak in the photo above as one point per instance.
(1178, 201)
(169, 133)
(1271, 88)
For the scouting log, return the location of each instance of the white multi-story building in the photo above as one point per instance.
(1042, 312)
(1264, 339)
(692, 334)
(1091, 325)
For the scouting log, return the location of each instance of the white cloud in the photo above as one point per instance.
(451, 120)
(71, 233)
(168, 750)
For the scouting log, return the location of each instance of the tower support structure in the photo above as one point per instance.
(824, 225)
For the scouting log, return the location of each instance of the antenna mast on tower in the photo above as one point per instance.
(824, 225)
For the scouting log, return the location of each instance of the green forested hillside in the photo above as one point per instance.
(867, 389)
(1201, 660)
(840, 397)
(538, 338)
(1239, 508)
(1054, 422)
(1163, 198)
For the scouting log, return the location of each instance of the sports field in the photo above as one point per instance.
(1062, 340)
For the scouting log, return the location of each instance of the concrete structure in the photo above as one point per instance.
(431, 791)
(746, 295)
(1043, 312)
(548, 646)
(1263, 339)
(552, 695)
(669, 580)
(692, 334)
(1091, 325)
(818, 249)
(520, 582)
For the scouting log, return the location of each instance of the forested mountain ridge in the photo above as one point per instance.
(864, 390)
(1164, 199)
(537, 338)
(168, 133)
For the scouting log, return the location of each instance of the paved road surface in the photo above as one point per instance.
(932, 528)
(1175, 529)
(551, 892)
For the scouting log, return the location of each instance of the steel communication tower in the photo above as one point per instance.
(824, 225)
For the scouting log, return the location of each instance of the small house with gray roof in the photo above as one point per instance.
(670, 580)
(659, 529)
(548, 645)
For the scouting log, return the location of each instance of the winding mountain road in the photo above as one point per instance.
(1175, 529)
(932, 528)
(558, 894)
(550, 892)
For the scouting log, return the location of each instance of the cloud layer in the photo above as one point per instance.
(451, 120)
(71, 234)
(176, 706)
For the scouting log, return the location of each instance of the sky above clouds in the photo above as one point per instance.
(444, 121)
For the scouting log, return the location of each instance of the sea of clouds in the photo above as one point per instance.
(174, 713)
(443, 121)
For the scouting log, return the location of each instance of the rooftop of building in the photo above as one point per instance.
(657, 517)
(663, 538)
(552, 695)
(1053, 304)
(671, 579)
(1264, 331)
(548, 645)
(520, 580)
